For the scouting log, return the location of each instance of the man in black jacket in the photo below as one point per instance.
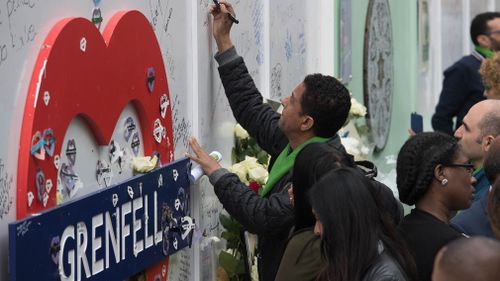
(462, 86)
(315, 111)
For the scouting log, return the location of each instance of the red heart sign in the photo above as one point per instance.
(80, 72)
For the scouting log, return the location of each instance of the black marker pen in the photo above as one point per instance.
(231, 17)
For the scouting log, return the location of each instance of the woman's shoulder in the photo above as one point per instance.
(385, 269)
(304, 239)
(302, 257)
(425, 224)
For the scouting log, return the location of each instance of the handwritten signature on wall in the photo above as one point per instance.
(6, 183)
(16, 26)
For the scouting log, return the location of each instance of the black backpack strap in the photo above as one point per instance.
(368, 168)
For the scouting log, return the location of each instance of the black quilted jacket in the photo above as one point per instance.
(271, 217)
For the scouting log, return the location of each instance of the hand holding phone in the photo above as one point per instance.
(416, 122)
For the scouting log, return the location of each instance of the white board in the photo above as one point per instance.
(274, 37)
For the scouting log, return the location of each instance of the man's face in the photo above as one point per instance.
(469, 135)
(494, 34)
(292, 116)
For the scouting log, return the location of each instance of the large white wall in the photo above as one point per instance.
(296, 35)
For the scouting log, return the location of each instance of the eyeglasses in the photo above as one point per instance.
(468, 167)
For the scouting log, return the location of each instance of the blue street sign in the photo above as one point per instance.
(107, 235)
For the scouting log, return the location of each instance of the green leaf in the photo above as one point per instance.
(262, 157)
(234, 226)
(229, 223)
(247, 151)
(233, 156)
(256, 147)
(232, 239)
(252, 142)
(224, 220)
(243, 143)
(227, 235)
(229, 263)
(240, 268)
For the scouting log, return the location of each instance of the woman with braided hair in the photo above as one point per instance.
(434, 175)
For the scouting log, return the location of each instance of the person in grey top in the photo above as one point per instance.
(359, 240)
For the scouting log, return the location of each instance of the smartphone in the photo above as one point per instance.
(417, 124)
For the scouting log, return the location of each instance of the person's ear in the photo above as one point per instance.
(484, 41)
(486, 142)
(439, 172)
(307, 123)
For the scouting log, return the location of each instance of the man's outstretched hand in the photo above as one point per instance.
(200, 156)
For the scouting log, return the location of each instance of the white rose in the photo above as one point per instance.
(357, 109)
(144, 164)
(240, 133)
(241, 171)
(258, 174)
(250, 162)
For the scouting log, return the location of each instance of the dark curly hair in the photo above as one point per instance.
(417, 160)
(327, 101)
(490, 72)
(479, 25)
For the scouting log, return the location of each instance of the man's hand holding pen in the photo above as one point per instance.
(224, 17)
(230, 15)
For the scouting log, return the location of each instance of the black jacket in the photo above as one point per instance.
(462, 88)
(270, 217)
(385, 269)
(425, 235)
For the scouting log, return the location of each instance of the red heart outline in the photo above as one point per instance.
(95, 84)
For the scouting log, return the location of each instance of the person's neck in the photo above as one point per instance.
(299, 139)
(434, 206)
(485, 51)
(477, 163)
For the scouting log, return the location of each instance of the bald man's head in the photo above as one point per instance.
(489, 122)
(476, 258)
(479, 127)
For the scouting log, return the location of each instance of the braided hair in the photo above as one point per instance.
(417, 160)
